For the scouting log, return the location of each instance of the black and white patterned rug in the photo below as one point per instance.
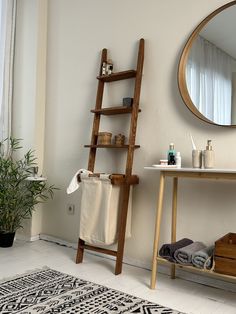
(48, 291)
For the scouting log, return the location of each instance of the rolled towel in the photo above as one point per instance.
(167, 250)
(202, 258)
(184, 255)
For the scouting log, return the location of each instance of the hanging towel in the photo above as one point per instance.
(74, 184)
(100, 205)
(203, 257)
(184, 255)
(167, 250)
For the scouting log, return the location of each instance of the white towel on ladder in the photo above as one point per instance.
(100, 205)
(74, 184)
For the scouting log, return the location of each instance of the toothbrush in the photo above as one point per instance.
(193, 144)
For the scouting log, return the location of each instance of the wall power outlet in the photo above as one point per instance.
(70, 208)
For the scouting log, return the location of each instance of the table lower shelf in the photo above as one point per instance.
(207, 272)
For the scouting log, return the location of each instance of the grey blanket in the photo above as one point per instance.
(167, 250)
(203, 257)
(184, 255)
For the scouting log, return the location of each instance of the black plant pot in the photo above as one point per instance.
(6, 239)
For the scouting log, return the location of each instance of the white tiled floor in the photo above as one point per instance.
(179, 294)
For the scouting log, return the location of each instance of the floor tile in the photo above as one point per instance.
(179, 294)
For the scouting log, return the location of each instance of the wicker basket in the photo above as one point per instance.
(119, 139)
(104, 138)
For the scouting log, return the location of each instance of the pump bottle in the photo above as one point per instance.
(209, 156)
(171, 155)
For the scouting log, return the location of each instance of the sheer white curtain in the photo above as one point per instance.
(209, 80)
(7, 33)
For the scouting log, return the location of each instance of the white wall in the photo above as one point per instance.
(29, 87)
(25, 72)
(77, 31)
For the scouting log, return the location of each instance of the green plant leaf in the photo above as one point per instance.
(18, 196)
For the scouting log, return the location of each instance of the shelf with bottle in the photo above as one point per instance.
(117, 76)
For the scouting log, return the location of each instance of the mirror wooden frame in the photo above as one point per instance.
(183, 61)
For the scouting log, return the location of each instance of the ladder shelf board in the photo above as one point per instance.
(111, 146)
(113, 110)
(198, 270)
(117, 76)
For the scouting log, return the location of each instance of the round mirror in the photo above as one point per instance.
(207, 68)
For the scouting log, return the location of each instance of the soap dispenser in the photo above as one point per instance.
(171, 155)
(209, 158)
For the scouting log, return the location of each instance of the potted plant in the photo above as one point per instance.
(19, 190)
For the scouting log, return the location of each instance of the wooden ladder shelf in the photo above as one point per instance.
(127, 179)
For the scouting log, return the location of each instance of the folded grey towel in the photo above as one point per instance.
(167, 250)
(203, 257)
(184, 255)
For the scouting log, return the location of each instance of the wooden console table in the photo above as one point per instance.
(176, 173)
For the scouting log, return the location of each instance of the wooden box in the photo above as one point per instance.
(225, 255)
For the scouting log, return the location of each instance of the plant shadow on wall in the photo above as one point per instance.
(20, 189)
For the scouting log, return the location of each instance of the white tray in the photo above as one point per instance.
(164, 166)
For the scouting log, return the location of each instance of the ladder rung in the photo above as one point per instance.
(113, 110)
(131, 180)
(117, 178)
(117, 76)
(98, 249)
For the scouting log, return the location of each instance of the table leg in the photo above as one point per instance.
(174, 216)
(157, 230)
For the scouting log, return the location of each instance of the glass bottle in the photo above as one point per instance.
(171, 155)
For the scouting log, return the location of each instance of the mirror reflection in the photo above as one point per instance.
(210, 70)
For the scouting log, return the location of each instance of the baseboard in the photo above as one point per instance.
(186, 275)
(23, 237)
(56, 240)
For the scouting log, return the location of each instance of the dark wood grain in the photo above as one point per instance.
(226, 266)
(124, 75)
(96, 120)
(113, 110)
(111, 146)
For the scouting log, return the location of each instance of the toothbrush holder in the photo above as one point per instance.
(196, 158)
